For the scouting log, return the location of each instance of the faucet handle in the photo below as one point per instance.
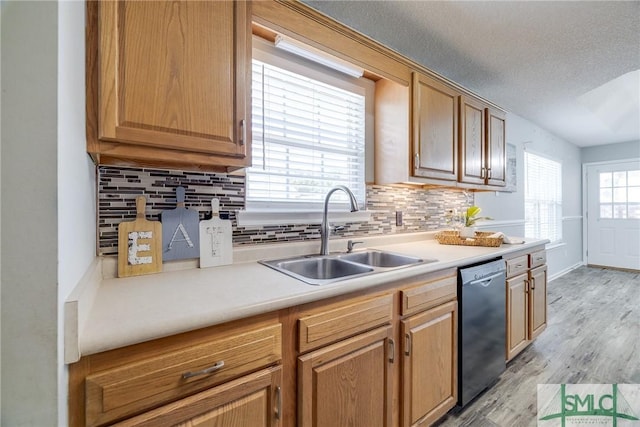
(351, 244)
(337, 228)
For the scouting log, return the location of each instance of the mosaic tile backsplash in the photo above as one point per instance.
(423, 209)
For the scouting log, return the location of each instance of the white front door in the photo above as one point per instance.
(613, 214)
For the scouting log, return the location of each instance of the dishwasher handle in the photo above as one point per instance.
(485, 280)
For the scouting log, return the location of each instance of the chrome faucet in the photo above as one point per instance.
(324, 229)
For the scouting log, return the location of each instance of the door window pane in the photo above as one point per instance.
(620, 179)
(605, 179)
(622, 188)
(619, 195)
(620, 211)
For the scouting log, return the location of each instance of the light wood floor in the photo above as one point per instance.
(592, 337)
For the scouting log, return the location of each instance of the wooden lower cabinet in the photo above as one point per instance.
(526, 301)
(253, 400)
(347, 383)
(329, 363)
(517, 315)
(430, 364)
(537, 301)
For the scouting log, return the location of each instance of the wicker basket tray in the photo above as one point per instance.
(481, 239)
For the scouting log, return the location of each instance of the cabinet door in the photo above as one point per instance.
(430, 365)
(174, 75)
(537, 301)
(348, 383)
(435, 129)
(472, 141)
(253, 400)
(496, 148)
(517, 315)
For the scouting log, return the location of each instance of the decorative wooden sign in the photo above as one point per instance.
(216, 246)
(139, 244)
(180, 234)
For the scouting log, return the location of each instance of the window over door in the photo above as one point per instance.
(542, 198)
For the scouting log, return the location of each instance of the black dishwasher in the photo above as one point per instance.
(481, 327)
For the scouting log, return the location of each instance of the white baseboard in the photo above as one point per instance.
(565, 271)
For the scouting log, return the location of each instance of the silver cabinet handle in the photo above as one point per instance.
(416, 161)
(243, 131)
(488, 173)
(482, 172)
(207, 371)
(533, 283)
(278, 403)
(407, 339)
(392, 350)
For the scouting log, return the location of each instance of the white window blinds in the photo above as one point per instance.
(543, 198)
(308, 136)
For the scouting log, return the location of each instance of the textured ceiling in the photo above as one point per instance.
(542, 60)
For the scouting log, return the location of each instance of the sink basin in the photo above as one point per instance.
(381, 259)
(325, 269)
(318, 270)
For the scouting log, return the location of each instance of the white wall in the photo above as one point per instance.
(509, 207)
(76, 174)
(605, 153)
(0, 222)
(29, 213)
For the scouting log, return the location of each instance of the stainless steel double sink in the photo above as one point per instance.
(325, 269)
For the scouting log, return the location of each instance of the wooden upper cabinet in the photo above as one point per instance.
(482, 144)
(435, 129)
(496, 147)
(472, 141)
(171, 83)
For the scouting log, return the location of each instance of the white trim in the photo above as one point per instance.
(565, 271)
(572, 218)
(555, 245)
(585, 191)
(611, 162)
(77, 308)
(508, 223)
(255, 217)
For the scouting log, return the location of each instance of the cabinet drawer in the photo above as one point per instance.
(332, 325)
(517, 265)
(429, 294)
(537, 258)
(131, 388)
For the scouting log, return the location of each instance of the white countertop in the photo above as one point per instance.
(131, 310)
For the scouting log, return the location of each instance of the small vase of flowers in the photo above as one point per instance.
(470, 217)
